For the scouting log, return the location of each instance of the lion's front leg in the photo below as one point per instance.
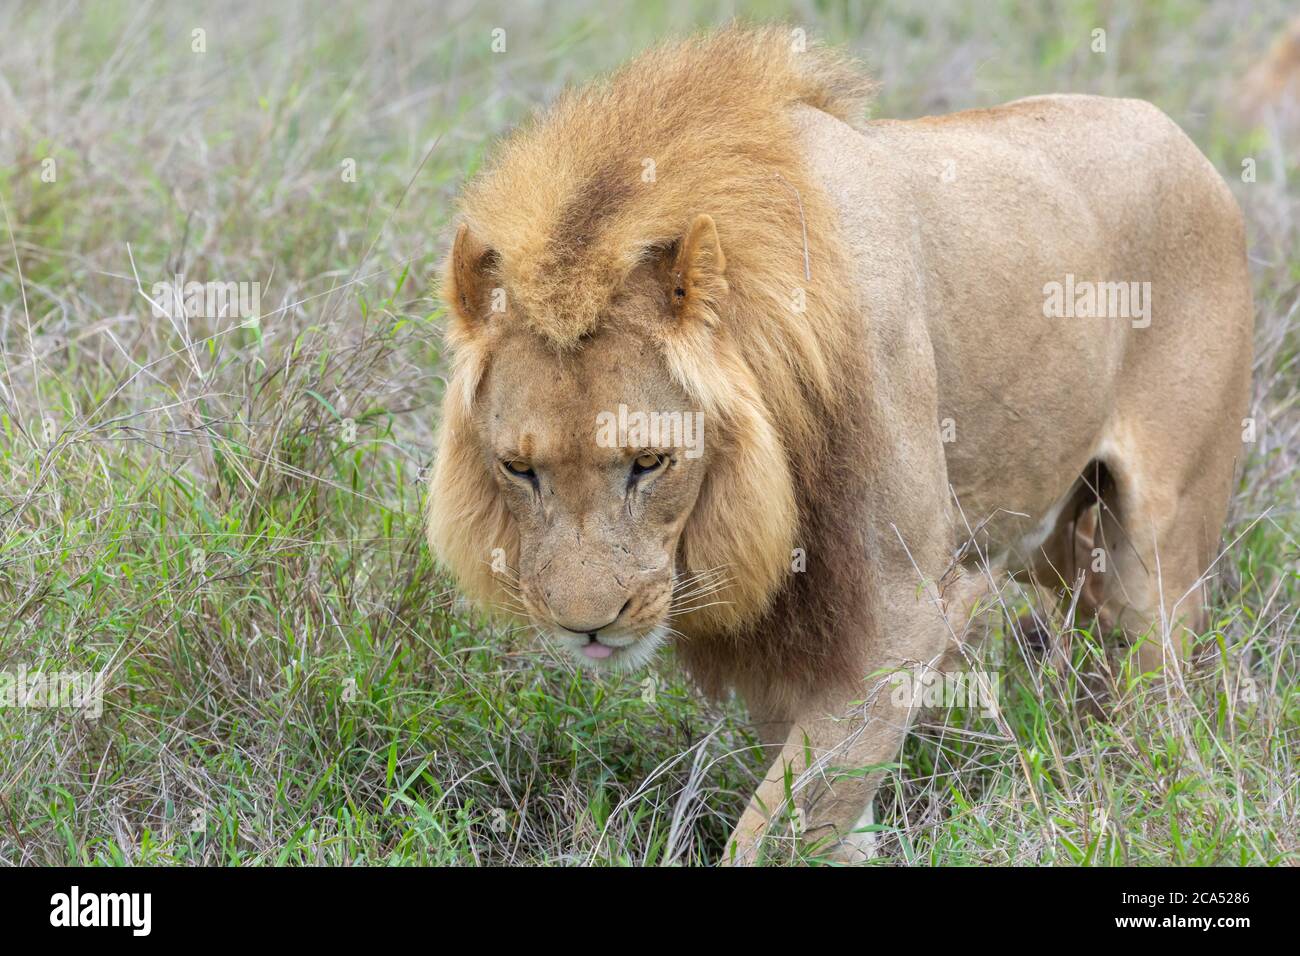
(819, 789)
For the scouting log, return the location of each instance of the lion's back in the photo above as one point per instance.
(963, 223)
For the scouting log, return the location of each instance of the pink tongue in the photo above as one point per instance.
(596, 650)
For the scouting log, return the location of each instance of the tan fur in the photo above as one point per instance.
(828, 293)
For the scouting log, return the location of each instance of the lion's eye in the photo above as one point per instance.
(646, 463)
(520, 469)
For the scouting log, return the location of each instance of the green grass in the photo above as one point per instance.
(291, 678)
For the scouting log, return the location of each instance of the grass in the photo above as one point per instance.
(226, 518)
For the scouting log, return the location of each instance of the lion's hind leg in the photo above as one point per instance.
(1130, 550)
(1154, 543)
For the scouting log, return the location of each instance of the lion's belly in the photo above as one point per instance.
(1018, 434)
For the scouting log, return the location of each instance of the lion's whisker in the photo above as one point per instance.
(713, 582)
(694, 596)
(696, 607)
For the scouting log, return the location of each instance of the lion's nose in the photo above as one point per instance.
(591, 630)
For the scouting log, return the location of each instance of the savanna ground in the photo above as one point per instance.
(225, 516)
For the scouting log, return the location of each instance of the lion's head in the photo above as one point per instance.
(628, 480)
(643, 359)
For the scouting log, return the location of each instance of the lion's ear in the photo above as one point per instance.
(469, 277)
(696, 285)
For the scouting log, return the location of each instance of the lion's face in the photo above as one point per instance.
(599, 458)
(576, 483)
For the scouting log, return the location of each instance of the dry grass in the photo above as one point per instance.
(184, 505)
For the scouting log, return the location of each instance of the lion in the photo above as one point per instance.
(918, 355)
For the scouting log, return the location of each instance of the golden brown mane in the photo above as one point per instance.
(573, 202)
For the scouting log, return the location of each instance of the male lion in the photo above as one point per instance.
(921, 350)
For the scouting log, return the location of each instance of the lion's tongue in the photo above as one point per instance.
(595, 650)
